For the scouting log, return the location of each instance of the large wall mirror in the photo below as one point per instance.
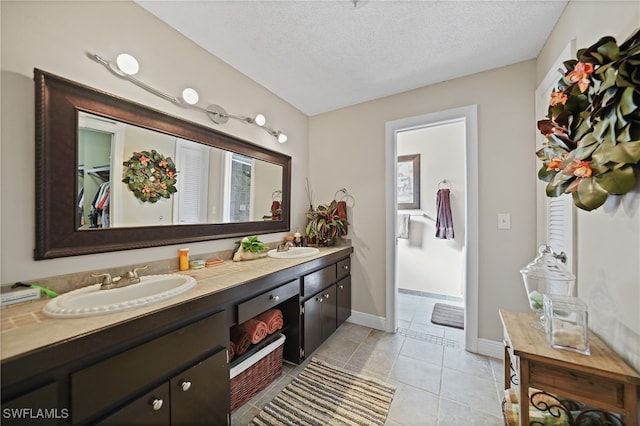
(88, 141)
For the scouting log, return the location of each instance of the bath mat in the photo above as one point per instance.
(326, 395)
(448, 315)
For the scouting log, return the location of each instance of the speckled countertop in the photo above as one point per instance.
(26, 328)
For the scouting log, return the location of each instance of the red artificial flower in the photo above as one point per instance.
(580, 75)
(581, 169)
(558, 98)
(144, 160)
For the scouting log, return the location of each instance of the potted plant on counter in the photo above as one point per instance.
(325, 224)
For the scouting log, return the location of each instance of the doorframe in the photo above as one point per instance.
(469, 114)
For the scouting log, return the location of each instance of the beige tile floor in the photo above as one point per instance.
(437, 382)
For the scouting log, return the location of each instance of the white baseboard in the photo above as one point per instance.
(368, 320)
(491, 348)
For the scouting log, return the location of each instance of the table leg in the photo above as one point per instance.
(631, 404)
(523, 401)
(507, 368)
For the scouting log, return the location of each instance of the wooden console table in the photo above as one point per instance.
(602, 380)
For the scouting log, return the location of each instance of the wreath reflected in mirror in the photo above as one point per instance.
(592, 128)
(150, 175)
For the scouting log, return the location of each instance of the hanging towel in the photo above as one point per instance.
(272, 318)
(342, 214)
(403, 225)
(444, 221)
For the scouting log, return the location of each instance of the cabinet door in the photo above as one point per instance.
(25, 409)
(200, 395)
(319, 319)
(150, 409)
(312, 324)
(328, 312)
(343, 293)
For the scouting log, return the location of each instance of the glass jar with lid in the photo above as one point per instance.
(546, 274)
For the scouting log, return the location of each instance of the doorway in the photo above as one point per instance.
(420, 217)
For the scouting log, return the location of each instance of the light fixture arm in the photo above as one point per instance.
(216, 113)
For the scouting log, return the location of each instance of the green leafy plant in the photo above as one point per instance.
(592, 128)
(325, 224)
(253, 244)
(150, 176)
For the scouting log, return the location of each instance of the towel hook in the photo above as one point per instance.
(345, 196)
(444, 182)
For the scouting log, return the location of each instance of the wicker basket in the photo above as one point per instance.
(256, 373)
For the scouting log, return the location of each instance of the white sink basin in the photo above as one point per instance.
(91, 301)
(293, 253)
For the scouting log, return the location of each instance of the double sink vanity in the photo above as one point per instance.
(166, 362)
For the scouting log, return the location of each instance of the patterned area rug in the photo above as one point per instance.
(448, 315)
(326, 395)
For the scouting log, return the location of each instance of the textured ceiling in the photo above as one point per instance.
(323, 55)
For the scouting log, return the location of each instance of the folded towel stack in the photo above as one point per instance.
(241, 339)
(253, 331)
(273, 319)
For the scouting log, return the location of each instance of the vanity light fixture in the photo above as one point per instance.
(126, 66)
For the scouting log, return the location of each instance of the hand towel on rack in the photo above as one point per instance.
(342, 214)
(272, 318)
(403, 225)
(444, 221)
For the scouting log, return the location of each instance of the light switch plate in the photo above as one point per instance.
(504, 221)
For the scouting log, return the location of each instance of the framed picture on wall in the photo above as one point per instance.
(408, 182)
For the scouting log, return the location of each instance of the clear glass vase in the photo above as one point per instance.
(546, 274)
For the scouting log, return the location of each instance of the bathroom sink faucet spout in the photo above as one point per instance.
(285, 247)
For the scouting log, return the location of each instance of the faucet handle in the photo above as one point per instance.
(108, 279)
(134, 273)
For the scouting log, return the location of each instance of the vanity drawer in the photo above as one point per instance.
(267, 300)
(319, 280)
(344, 267)
(106, 383)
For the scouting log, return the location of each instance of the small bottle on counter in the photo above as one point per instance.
(297, 239)
(183, 259)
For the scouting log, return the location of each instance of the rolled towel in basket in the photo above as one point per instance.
(257, 330)
(240, 338)
(232, 350)
(272, 318)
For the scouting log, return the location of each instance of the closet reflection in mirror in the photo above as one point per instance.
(213, 185)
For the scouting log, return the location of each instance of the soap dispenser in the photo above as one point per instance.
(297, 238)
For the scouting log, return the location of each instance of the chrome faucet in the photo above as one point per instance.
(284, 247)
(109, 282)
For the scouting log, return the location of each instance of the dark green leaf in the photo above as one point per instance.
(617, 181)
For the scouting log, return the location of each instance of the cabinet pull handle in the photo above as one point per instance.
(345, 267)
(185, 385)
(319, 299)
(276, 298)
(156, 404)
(341, 286)
(326, 296)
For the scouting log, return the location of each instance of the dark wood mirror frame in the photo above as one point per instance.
(58, 102)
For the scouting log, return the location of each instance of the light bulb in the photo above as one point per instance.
(190, 96)
(260, 120)
(127, 64)
(282, 138)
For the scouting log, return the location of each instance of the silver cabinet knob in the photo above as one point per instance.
(345, 267)
(319, 299)
(276, 298)
(156, 404)
(326, 296)
(341, 286)
(185, 385)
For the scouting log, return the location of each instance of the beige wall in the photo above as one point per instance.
(347, 149)
(608, 239)
(56, 37)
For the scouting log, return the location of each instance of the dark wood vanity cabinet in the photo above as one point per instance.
(170, 366)
(326, 303)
